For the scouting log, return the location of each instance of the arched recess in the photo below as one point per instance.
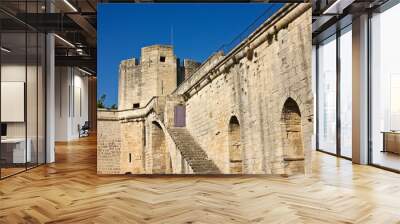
(293, 148)
(235, 146)
(161, 158)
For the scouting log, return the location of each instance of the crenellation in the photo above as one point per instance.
(190, 66)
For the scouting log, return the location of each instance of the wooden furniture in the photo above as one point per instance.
(391, 141)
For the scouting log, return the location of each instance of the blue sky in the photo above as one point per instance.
(198, 31)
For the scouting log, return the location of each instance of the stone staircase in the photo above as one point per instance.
(191, 151)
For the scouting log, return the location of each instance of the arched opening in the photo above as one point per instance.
(160, 155)
(235, 146)
(293, 150)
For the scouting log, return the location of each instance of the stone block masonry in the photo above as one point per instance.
(249, 111)
(108, 143)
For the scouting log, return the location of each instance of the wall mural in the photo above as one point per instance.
(246, 111)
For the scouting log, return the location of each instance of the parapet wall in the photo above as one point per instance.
(200, 73)
(108, 142)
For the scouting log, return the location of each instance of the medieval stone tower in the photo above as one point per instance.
(155, 75)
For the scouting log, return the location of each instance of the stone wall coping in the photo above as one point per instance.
(104, 114)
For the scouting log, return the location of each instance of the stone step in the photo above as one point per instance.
(200, 162)
(191, 151)
(194, 153)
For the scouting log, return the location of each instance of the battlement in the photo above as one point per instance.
(154, 74)
(128, 63)
(190, 66)
(156, 54)
(189, 63)
(158, 46)
(165, 53)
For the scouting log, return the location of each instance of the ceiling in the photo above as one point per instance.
(332, 15)
(73, 21)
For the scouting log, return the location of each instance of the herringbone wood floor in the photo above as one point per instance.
(69, 191)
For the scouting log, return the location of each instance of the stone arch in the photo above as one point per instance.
(292, 136)
(161, 163)
(297, 96)
(235, 147)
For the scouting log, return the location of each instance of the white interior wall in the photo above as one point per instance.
(61, 103)
(14, 73)
(80, 110)
(32, 127)
(71, 94)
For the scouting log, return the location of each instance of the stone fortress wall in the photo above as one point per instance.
(247, 112)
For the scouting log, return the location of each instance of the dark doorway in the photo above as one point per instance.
(235, 146)
(160, 153)
(293, 150)
(180, 116)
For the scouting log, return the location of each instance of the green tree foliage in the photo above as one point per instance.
(101, 104)
(100, 101)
